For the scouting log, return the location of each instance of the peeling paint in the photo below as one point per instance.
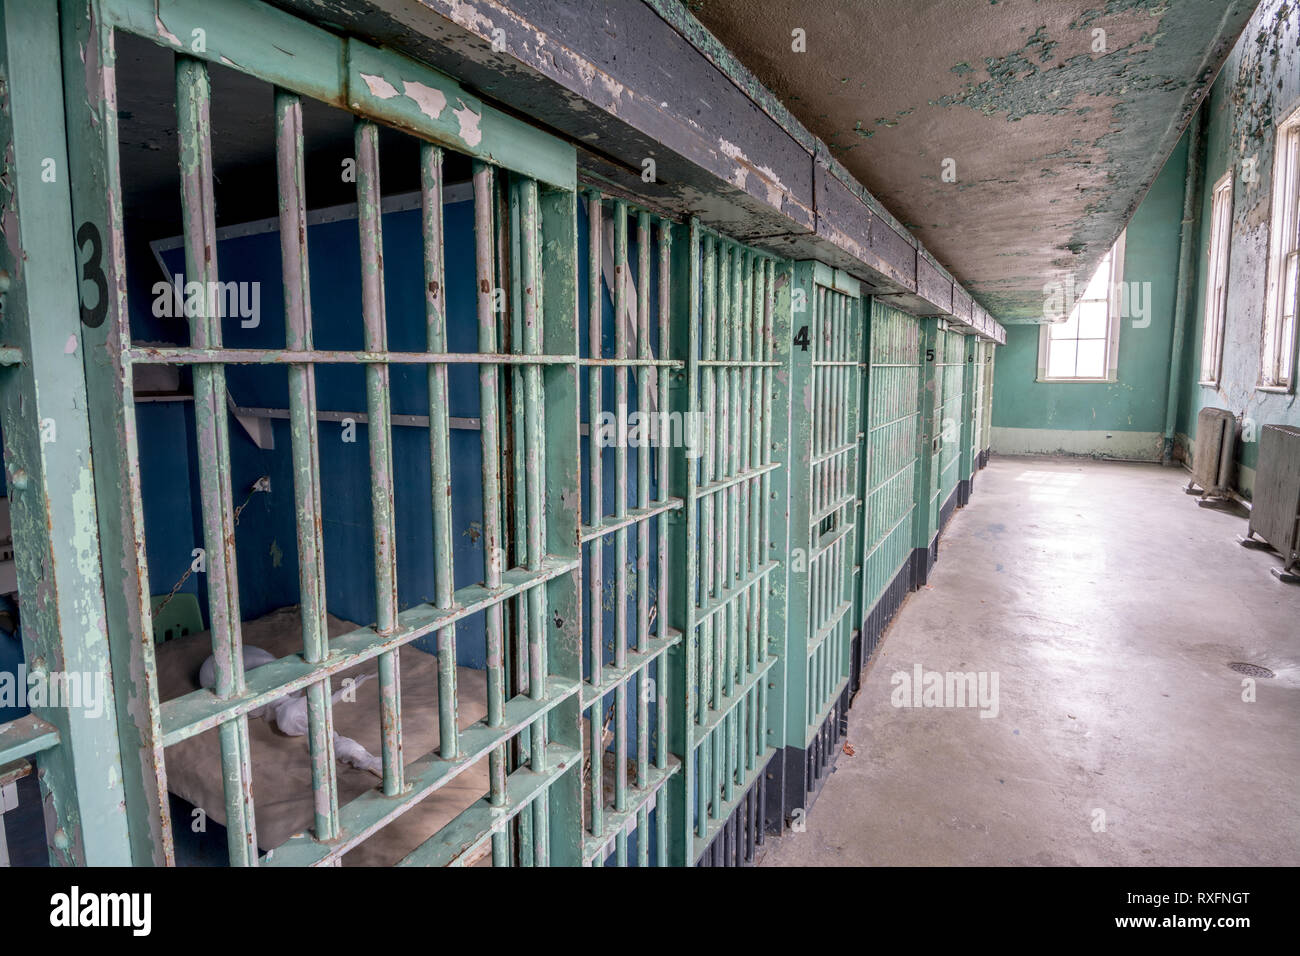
(379, 87)
(163, 32)
(430, 101)
(469, 124)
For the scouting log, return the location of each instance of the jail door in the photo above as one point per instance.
(632, 354)
(526, 599)
(890, 456)
(986, 424)
(65, 679)
(824, 382)
(950, 368)
(972, 421)
(734, 529)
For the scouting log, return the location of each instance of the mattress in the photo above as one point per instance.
(282, 797)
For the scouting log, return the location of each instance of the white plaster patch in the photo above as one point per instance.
(379, 87)
(469, 128)
(70, 346)
(430, 101)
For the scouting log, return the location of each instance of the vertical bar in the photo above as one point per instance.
(489, 426)
(534, 481)
(305, 442)
(435, 313)
(620, 536)
(379, 429)
(59, 528)
(661, 593)
(643, 454)
(197, 208)
(596, 507)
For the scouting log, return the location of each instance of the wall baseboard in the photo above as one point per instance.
(1147, 446)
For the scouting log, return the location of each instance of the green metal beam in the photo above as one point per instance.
(47, 446)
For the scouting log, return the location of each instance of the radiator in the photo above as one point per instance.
(1212, 458)
(1275, 509)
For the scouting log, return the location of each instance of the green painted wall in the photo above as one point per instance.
(1038, 417)
(1259, 87)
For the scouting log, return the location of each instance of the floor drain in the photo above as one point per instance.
(1251, 670)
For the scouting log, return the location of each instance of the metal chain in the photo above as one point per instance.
(257, 486)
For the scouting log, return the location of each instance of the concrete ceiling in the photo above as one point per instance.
(1053, 143)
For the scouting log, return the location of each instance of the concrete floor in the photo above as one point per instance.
(1109, 605)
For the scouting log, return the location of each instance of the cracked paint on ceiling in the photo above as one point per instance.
(1053, 129)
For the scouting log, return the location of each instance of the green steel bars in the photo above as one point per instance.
(727, 657)
(824, 497)
(379, 430)
(213, 439)
(625, 663)
(890, 455)
(305, 442)
(435, 284)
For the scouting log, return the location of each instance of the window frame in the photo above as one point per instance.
(1217, 277)
(1283, 245)
(1113, 322)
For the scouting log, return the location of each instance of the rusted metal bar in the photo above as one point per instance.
(379, 430)
(620, 536)
(305, 442)
(643, 455)
(435, 312)
(596, 508)
(661, 593)
(534, 492)
(489, 432)
(193, 96)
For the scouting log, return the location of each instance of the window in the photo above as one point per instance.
(1216, 282)
(1283, 260)
(1085, 347)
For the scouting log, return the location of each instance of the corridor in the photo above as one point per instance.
(1109, 606)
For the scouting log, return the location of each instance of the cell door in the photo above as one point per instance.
(732, 482)
(950, 368)
(890, 458)
(426, 466)
(824, 388)
(56, 696)
(986, 425)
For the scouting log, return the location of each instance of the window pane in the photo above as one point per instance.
(1069, 329)
(1097, 286)
(1060, 359)
(1092, 320)
(1092, 359)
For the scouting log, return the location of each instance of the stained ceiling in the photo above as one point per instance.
(1015, 138)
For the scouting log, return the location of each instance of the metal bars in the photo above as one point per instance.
(622, 787)
(730, 364)
(986, 420)
(973, 403)
(306, 456)
(543, 575)
(949, 369)
(835, 339)
(889, 449)
(213, 440)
